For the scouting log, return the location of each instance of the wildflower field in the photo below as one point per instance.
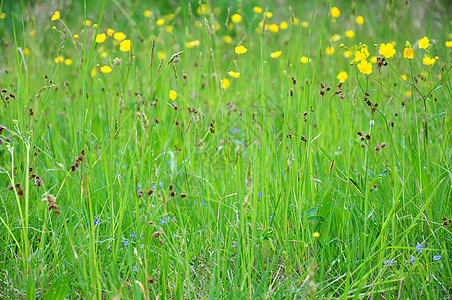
(225, 149)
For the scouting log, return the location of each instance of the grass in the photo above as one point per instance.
(260, 189)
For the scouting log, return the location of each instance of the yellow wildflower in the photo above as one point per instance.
(225, 83)
(172, 95)
(449, 44)
(276, 54)
(59, 59)
(234, 74)
(87, 23)
(100, 38)
(424, 42)
(330, 50)
(283, 25)
(76, 36)
(359, 20)
(26, 51)
(68, 61)
(2, 15)
(161, 55)
(404, 77)
(362, 54)
(125, 46)
(257, 10)
(304, 60)
(387, 50)
(160, 22)
(316, 235)
(348, 53)
(236, 18)
(336, 37)
(365, 67)
(56, 16)
(110, 32)
(335, 12)
(240, 49)
(408, 53)
(342, 76)
(147, 13)
(105, 69)
(227, 39)
(350, 34)
(273, 28)
(427, 60)
(268, 15)
(119, 36)
(305, 24)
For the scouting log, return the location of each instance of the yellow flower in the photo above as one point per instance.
(119, 36)
(68, 61)
(169, 28)
(373, 59)
(240, 49)
(276, 54)
(160, 22)
(408, 53)
(2, 15)
(103, 54)
(365, 67)
(110, 32)
(32, 33)
(75, 36)
(304, 60)
(100, 38)
(348, 53)
(26, 51)
(147, 13)
(93, 72)
(359, 20)
(408, 93)
(330, 50)
(234, 74)
(268, 15)
(236, 18)
(362, 54)
(316, 235)
(449, 44)
(56, 16)
(53, 27)
(257, 10)
(342, 76)
(225, 83)
(294, 21)
(227, 39)
(387, 50)
(305, 24)
(125, 46)
(404, 77)
(87, 23)
(192, 44)
(427, 60)
(283, 25)
(172, 95)
(335, 12)
(350, 33)
(424, 42)
(336, 37)
(161, 55)
(205, 9)
(273, 28)
(105, 69)
(59, 59)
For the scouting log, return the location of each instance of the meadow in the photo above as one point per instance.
(225, 149)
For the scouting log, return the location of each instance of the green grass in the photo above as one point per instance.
(260, 190)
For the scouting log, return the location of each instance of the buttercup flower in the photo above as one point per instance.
(316, 235)
(160, 22)
(125, 46)
(236, 18)
(305, 24)
(234, 74)
(75, 36)
(105, 69)
(362, 54)
(283, 25)
(348, 53)
(110, 32)
(304, 60)
(335, 12)
(119, 36)
(268, 15)
(387, 50)
(56, 16)
(330, 50)
(365, 67)
(225, 83)
(100, 38)
(240, 49)
(449, 44)
(350, 33)
(408, 53)
(342, 76)
(276, 54)
(257, 10)
(68, 61)
(172, 95)
(273, 28)
(359, 20)
(427, 60)
(59, 59)
(336, 37)
(424, 43)
(147, 13)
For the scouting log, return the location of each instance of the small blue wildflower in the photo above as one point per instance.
(419, 247)
(271, 217)
(412, 260)
(96, 221)
(160, 184)
(437, 257)
(142, 246)
(174, 235)
(126, 243)
(234, 130)
(234, 243)
(134, 268)
(133, 234)
(153, 187)
(204, 204)
(259, 195)
(163, 222)
(388, 262)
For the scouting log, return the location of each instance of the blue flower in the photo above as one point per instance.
(153, 187)
(234, 243)
(141, 246)
(133, 234)
(160, 184)
(412, 260)
(259, 195)
(134, 268)
(163, 222)
(126, 243)
(96, 221)
(234, 130)
(437, 257)
(388, 262)
(419, 247)
(204, 204)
